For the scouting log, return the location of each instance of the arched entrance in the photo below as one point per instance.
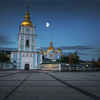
(26, 66)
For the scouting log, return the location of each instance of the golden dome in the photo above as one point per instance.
(27, 21)
(51, 47)
(45, 52)
(59, 50)
(41, 51)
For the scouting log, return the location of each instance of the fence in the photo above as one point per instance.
(67, 67)
(6, 65)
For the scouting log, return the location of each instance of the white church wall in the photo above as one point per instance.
(20, 59)
(14, 59)
(38, 61)
(27, 59)
(24, 30)
(33, 61)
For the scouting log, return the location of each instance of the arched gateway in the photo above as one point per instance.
(26, 66)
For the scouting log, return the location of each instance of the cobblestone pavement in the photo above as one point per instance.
(49, 85)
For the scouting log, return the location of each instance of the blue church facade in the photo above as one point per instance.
(26, 57)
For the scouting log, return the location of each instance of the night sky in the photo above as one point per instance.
(74, 25)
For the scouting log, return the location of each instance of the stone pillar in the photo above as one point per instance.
(59, 67)
(11, 57)
(69, 66)
(40, 58)
(30, 43)
(19, 42)
(24, 42)
(18, 60)
(36, 60)
(89, 67)
(83, 67)
(77, 67)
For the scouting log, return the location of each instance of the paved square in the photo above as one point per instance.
(49, 85)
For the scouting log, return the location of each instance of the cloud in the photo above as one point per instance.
(76, 48)
(66, 53)
(8, 49)
(4, 22)
(5, 40)
(97, 50)
(70, 48)
(41, 38)
(43, 48)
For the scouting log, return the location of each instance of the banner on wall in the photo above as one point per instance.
(1, 66)
(50, 67)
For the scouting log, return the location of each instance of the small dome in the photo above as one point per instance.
(45, 52)
(51, 47)
(41, 51)
(59, 50)
(48, 49)
(27, 21)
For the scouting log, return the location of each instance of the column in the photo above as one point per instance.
(24, 42)
(30, 43)
(36, 60)
(35, 45)
(69, 66)
(40, 58)
(18, 60)
(89, 67)
(59, 67)
(11, 57)
(83, 67)
(77, 67)
(19, 42)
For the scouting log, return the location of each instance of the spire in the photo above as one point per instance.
(27, 21)
(51, 43)
(27, 17)
(27, 8)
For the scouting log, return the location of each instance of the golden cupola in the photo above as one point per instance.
(51, 47)
(59, 50)
(41, 51)
(45, 52)
(27, 21)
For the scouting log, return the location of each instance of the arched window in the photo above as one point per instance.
(27, 43)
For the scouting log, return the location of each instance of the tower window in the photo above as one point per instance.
(14, 61)
(27, 43)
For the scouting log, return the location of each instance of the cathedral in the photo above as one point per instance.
(51, 53)
(26, 56)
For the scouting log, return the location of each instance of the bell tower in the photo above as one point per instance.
(27, 37)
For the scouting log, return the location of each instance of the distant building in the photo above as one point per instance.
(51, 53)
(26, 57)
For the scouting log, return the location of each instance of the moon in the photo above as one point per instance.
(47, 24)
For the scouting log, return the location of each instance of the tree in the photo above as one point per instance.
(71, 58)
(74, 58)
(4, 57)
(64, 59)
(98, 62)
(94, 63)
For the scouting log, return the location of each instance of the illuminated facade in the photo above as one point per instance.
(51, 53)
(26, 57)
